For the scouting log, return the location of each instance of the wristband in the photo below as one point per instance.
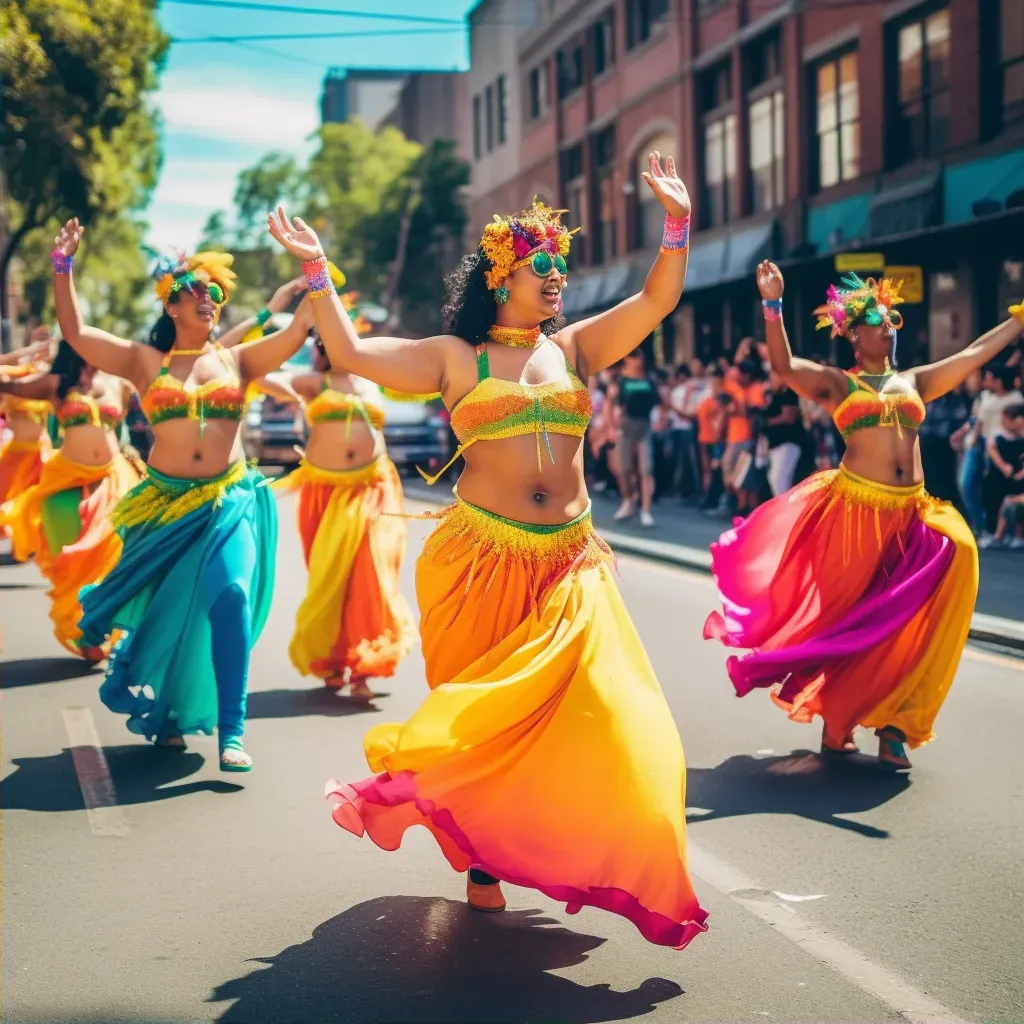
(676, 234)
(263, 316)
(772, 309)
(318, 278)
(1017, 312)
(61, 263)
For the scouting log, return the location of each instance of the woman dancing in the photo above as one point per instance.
(64, 519)
(354, 624)
(28, 442)
(192, 588)
(545, 754)
(855, 590)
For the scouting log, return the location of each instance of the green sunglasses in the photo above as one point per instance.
(541, 263)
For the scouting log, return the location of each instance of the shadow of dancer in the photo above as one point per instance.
(141, 775)
(418, 960)
(33, 671)
(299, 703)
(803, 784)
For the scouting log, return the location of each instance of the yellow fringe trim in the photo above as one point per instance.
(307, 473)
(158, 503)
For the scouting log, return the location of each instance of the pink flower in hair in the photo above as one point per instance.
(521, 245)
(833, 294)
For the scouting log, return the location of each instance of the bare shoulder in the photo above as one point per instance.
(565, 339)
(307, 384)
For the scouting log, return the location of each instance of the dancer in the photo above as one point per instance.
(28, 444)
(192, 589)
(545, 754)
(354, 623)
(64, 519)
(855, 590)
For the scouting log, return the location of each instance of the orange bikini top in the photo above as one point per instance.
(78, 410)
(865, 407)
(331, 406)
(496, 409)
(167, 398)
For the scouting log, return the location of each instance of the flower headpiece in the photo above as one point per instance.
(350, 300)
(869, 301)
(506, 240)
(212, 269)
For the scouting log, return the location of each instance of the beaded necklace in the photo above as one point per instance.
(515, 337)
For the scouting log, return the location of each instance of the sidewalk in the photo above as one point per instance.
(681, 535)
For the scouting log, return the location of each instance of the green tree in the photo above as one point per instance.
(78, 136)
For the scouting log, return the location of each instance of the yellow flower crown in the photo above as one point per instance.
(509, 239)
(857, 299)
(208, 268)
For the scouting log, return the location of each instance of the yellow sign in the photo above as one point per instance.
(859, 261)
(912, 288)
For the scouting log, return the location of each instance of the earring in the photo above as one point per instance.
(501, 295)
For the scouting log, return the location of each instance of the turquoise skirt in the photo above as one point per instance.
(185, 543)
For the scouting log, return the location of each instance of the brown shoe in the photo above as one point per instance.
(488, 898)
(891, 750)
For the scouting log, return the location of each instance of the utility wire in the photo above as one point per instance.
(241, 5)
(275, 37)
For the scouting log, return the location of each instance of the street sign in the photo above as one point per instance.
(859, 261)
(912, 278)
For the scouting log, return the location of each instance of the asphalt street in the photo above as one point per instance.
(183, 894)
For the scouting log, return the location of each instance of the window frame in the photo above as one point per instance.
(641, 23)
(1003, 64)
(603, 41)
(489, 118)
(718, 107)
(835, 59)
(501, 98)
(478, 128)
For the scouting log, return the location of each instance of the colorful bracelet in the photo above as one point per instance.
(263, 316)
(772, 309)
(61, 263)
(1017, 312)
(318, 277)
(676, 234)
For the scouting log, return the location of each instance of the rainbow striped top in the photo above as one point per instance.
(168, 399)
(331, 406)
(864, 407)
(78, 410)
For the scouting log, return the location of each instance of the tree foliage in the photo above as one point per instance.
(78, 135)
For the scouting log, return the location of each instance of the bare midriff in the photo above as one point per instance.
(882, 455)
(503, 477)
(25, 428)
(181, 448)
(338, 445)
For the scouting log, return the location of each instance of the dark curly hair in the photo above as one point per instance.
(67, 366)
(469, 309)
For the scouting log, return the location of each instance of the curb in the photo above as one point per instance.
(991, 629)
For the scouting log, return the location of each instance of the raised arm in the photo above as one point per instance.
(43, 386)
(258, 358)
(937, 379)
(820, 384)
(603, 340)
(279, 302)
(411, 366)
(106, 352)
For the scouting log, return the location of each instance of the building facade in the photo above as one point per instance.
(431, 105)
(369, 94)
(868, 136)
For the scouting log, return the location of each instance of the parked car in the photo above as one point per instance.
(417, 434)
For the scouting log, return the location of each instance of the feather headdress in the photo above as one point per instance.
(857, 300)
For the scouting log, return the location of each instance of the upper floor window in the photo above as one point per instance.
(719, 144)
(649, 216)
(539, 98)
(767, 152)
(920, 123)
(837, 132)
(1011, 60)
(574, 190)
(489, 116)
(604, 41)
(569, 63)
(641, 17)
(502, 111)
(477, 128)
(605, 242)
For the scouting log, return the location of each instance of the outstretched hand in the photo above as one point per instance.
(295, 235)
(70, 235)
(284, 295)
(667, 185)
(769, 280)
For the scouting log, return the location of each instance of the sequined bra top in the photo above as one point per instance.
(167, 398)
(865, 407)
(78, 410)
(496, 409)
(331, 406)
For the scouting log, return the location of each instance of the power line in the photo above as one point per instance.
(242, 5)
(277, 37)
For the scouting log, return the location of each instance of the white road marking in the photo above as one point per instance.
(106, 818)
(883, 984)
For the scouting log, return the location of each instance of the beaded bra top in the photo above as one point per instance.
(496, 409)
(331, 406)
(78, 410)
(167, 398)
(865, 407)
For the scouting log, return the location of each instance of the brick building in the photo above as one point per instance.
(804, 130)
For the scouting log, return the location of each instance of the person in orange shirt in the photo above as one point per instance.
(747, 394)
(711, 420)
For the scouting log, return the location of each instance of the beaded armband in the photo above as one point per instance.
(61, 263)
(318, 277)
(676, 234)
(772, 309)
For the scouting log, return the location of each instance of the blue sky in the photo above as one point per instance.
(224, 105)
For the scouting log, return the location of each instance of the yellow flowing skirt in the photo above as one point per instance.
(354, 618)
(545, 753)
(21, 464)
(64, 521)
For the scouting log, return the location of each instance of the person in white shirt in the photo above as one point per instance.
(691, 388)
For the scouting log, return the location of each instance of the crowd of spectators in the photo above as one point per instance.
(725, 436)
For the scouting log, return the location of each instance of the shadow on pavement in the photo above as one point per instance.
(23, 586)
(803, 784)
(417, 959)
(141, 775)
(31, 671)
(298, 703)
